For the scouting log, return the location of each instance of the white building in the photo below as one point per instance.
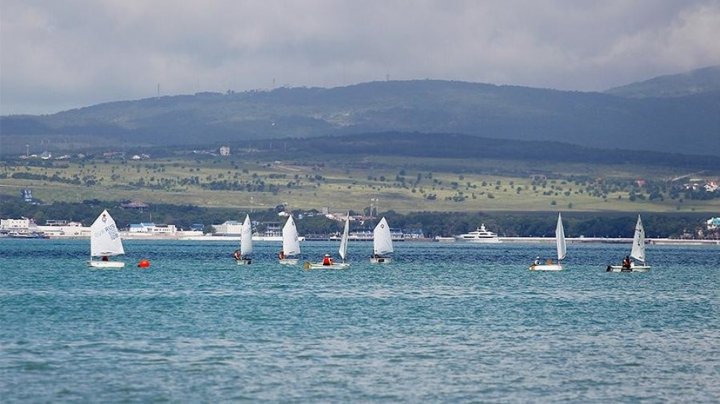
(224, 150)
(152, 228)
(16, 224)
(53, 228)
(229, 228)
(713, 223)
(63, 228)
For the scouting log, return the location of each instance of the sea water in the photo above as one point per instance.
(443, 322)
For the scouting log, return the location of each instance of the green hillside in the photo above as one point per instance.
(404, 172)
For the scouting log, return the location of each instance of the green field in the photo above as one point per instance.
(403, 184)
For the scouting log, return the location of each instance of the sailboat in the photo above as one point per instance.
(291, 243)
(382, 243)
(242, 256)
(105, 242)
(637, 252)
(344, 242)
(329, 264)
(561, 251)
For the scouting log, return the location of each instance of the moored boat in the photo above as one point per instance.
(480, 235)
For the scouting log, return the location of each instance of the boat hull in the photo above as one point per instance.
(547, 267)
(380, 260)
(319, 265)
(478, 240)
(633, 268)
(289, 261)
(106, 264)
(244, 261)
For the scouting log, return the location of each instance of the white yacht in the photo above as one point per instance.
(480, 235)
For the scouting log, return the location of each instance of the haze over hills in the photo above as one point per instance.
(688, 122)
(697, 81)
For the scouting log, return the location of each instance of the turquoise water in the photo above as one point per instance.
(443, 323)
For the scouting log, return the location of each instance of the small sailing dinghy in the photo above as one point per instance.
(382, 243)
(637, 253)
(328, 263)
(561, 251)
(291, 243)
(105, 242)
(242, 256)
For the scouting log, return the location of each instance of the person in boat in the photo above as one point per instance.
(105, 258)
(627, 263)
(237, 255)
(327, 260)
(549, 261)
(281, 255)
(537, 261)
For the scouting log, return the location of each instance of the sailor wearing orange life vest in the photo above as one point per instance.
(327, 260)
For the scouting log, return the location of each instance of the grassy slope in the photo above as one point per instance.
(351, 183)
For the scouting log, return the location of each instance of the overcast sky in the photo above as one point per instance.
(60, 54)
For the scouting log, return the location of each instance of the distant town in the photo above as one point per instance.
(271, 231)
(228, 230)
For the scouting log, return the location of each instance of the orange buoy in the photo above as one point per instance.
(144, 263)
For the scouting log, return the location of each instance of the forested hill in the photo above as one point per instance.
(443, 145)
(683, 124)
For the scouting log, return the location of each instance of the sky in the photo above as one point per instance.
(56, 55)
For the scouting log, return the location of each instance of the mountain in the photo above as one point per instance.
(686, 124)
(673, 85)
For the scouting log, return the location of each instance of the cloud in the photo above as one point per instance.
(56, 55)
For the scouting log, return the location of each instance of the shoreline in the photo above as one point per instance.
(502, 240)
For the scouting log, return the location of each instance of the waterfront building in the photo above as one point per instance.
(152, 228)
(713, 223)
(228, 228)
(64, 228)
(16, 224)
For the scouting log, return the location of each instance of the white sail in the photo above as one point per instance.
(344, 239)
(382, 239)
(291, 243)
(246, 246)
(560, 238)
(638, 248)
(105, 237)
